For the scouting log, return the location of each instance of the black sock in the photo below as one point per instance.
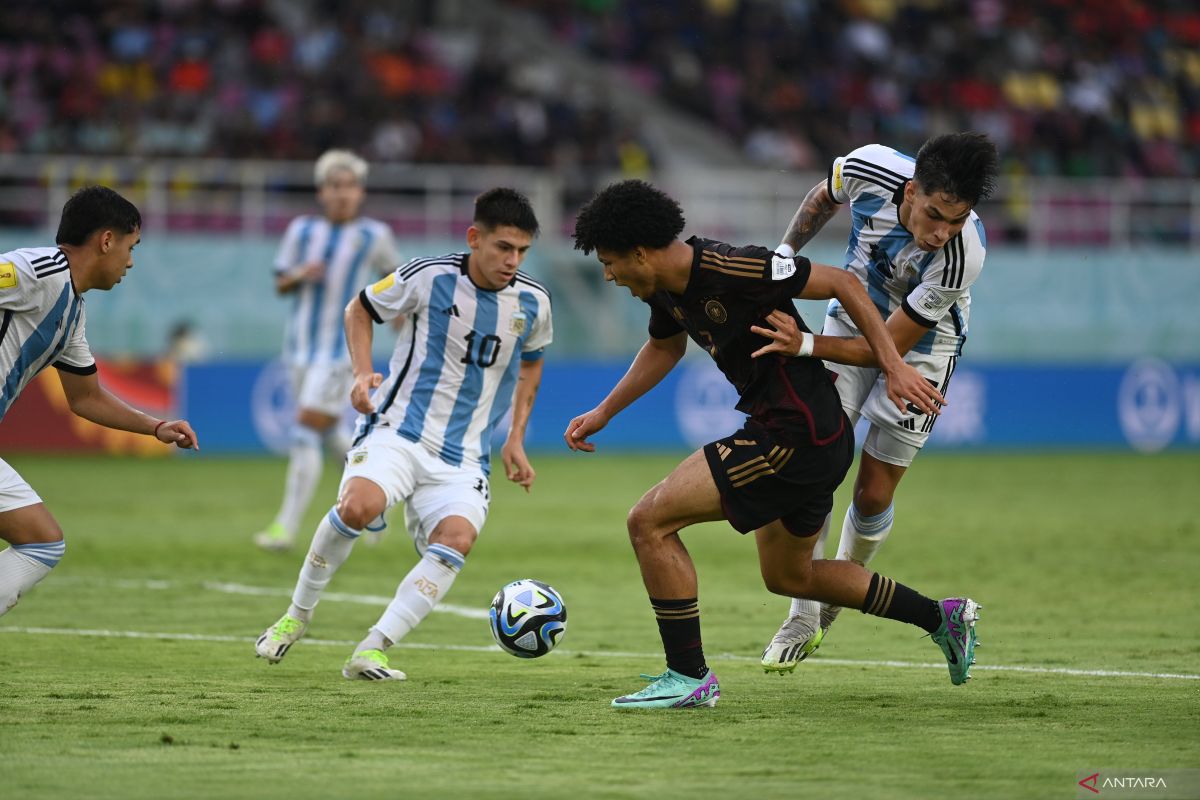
(679, 627)
(892, 600)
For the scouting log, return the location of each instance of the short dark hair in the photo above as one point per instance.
(96, 208)
(962, 165)
(502, 206)
(626, 215)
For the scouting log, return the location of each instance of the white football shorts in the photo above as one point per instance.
(323, 387)
(894, 437)
(430, 489)
(14, 491)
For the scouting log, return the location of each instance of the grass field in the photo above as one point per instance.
(1085, 564)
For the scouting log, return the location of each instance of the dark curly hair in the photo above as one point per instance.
(962, 165)
(626, 215)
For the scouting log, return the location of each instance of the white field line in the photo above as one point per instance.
(377, 600)
(817, 659)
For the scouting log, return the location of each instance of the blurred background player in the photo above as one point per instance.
(777, 474)
(917, 246)
(472, 342)
(322, 261)
(41, 295)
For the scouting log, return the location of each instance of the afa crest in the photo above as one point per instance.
(516, 324)
(358, 457)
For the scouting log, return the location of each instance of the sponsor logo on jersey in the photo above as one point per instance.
(837, 177)
(935, 302)
(782, 268)
(8, 275)
(716, 312)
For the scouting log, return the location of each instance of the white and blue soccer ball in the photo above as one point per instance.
(528, 618)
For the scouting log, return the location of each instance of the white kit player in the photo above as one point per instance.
(323, 261)
(471, 347)
(42, 325)
(916, 245)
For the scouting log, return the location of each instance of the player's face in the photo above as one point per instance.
(934, 219)
(116, 256)
(496, 254)
(341, 195)
(629, 270)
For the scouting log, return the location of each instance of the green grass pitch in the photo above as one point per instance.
(1085, 565)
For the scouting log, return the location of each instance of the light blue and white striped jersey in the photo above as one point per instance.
(934, 289)
(42, 322)
(452, 374)
(353, 253)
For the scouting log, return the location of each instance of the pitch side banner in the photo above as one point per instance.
(1146, 405)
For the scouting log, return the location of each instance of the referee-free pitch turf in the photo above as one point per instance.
(130, 671)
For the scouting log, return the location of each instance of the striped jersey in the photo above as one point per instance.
(934, 289)
(353, 253)
(454, 368)
(42, 322)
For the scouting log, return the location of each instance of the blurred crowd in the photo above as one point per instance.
(279, 79)
(1070, 87)
(1065, 87)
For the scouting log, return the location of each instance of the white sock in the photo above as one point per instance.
(811, 609)
(22, 566)
(330, 548)
(422, 588)
(304, 472)
(863, 536)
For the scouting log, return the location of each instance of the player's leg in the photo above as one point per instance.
(446, 511)
(35, 540)
(320, 398)
(687, 496)
(788, 568)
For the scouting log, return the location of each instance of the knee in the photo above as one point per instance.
(872, 497)
(640, 523)
(457, 538)
(355, 512)
(789, 583)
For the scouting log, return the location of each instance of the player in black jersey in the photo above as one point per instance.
(776, 476)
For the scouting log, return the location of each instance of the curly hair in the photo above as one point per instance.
(962, 165)
(626, 215)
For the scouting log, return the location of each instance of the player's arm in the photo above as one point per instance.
(853, 350)
(88, 399)
(816, 209)
(904, 383)
(359, 320)
(656, 358)
(516, 464)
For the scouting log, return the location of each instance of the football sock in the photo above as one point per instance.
(862, 536)
(679, 627)
(424, 585)
(810, 609)
(330, 548)
(892, 600)
(303, 474)
(23, 565)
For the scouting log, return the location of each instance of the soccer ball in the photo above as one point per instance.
(528, 618)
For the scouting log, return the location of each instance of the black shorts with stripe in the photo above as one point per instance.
(761, 479)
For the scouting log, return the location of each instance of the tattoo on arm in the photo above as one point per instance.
(817, 209)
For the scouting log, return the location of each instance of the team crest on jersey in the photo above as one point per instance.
(716, 312)
(8, 275)
(516, 323)
(358, 457)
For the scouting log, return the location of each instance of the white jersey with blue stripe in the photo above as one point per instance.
(353, 253)
(934, 289)
(42, 321)
(452, 374)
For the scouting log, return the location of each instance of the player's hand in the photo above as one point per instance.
(516, 466)
(905, 385)
(785, 335)
(582, 427)
(360, 393)
(178, 433)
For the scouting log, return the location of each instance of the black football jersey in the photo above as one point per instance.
(730, 289)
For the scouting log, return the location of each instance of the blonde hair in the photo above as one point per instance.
(332, 160)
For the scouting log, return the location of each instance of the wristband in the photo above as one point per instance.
(784, 249)
(164, 422)
(807, 340)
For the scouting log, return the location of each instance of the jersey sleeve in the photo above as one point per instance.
(868, 168)
(385, 256)
(755, 269)
(541, 334)
(77, 356)
(18, 287)
(662, 324)
(948, 276)
(393, 295)
(289, 254)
